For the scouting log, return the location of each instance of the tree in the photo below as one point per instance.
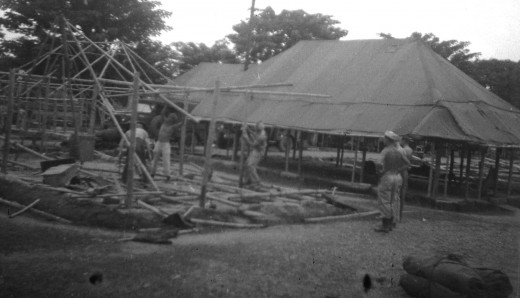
(191, 54)
(502, 77)
(100, 20)
(274, 33)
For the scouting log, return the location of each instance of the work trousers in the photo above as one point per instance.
(252, 162)
(161, 148)
(388, 195)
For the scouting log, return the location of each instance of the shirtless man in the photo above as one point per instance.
(162, 146)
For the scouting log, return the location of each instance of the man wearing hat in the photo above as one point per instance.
(392, 162)
(407, 151)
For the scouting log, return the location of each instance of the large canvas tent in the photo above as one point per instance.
(374, 86)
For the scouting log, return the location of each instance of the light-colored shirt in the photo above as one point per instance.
(393, 159)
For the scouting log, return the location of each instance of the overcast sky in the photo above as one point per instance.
(492, 27)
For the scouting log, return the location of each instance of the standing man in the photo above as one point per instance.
(392, 162)
(162, 146)
(407, 151)
(257, 141)
(142, 148)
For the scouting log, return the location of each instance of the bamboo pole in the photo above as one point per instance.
(8, 120)
(497, 168)
(436, 178)
(287, 149)
(432, 165)
(461, 166)
(277, 194)
(341, 217)
(353, 177)
(24, 209)
(338, 153)
(481, 172)
(510, 174)
(130, 161)
(193, 140)
(247, 98)
(235, 144)
(300, 152)
(209, 143)
(39, 212)
(183, 137)
(468, 172)
(448, 170)
(363, 161)
(92, 119)
(44, 118)
(109, 109)
(452, 164)
(225, 224)
(342, 151)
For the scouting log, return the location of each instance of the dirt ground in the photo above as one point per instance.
(41, 259)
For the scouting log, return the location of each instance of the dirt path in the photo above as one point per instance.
(320, 260)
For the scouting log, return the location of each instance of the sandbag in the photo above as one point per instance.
(449, 271)
(419, 287)
(496, 282)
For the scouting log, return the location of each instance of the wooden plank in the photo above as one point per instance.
(183, 137)
(226, 224)
(277, 194)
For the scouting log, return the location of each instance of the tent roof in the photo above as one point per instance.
(375, 85)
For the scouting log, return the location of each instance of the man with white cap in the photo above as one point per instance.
(392, 162)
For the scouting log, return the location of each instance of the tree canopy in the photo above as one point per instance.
(273, 33)
(100, 20)
(191, 54)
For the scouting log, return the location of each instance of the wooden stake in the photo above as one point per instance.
(432, 165)
(461, 168)
(247, 98)
(363, 160)
(287, 149)
(209, 143)
(438, 158)
(130, 161)
(342, 151)
(481, 172)
(468, 172)
(8, 120)
(447, 172)
(300, 152)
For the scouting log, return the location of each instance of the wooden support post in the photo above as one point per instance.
(452, 164)
(8, 120)
(287, 149)
(338, 153)
(45, 113)
(448, 170)
(92, 119)
(354, 164)
(54, 114)
(64, 106)
(193, 140)
(436, 178)
(363, 160)
(497, 170)
(510, 174)
(468, 171)
(461, 166)
(235, 145)
(241, 167)
(182, 145)
(131, 149)
(342, 151)
(481, 171)
(209, 143)
(300, 152)
(432, 165)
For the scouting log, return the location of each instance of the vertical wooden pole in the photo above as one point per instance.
(92, 119)
(468, 172)
(438, 158)
(193, 140)
(45, 113)
(8, 120)
(338, 154)
(300, 152)
(235, 144)
(461, 166)
(432, 165)
(510, 174)
(497, 169)
(295, 147)
(354, 164)
(183, 136)
(241, 167)
(363, 160)
(342, 151)
(64, 106)
(481, 172)
(448, 170)
(452, 164)
(54, 114)
(211, 137)
(131, 149)
(287, 149)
